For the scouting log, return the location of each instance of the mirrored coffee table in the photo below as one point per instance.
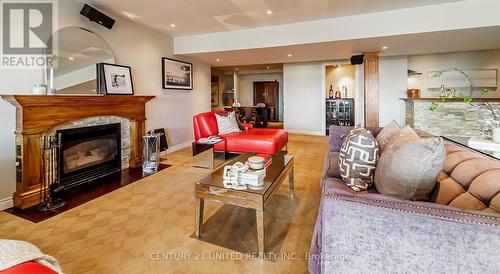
(211, 188)
(207, 156)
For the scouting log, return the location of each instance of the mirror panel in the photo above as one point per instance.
(79, 51)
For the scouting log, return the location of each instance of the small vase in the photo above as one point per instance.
(39, 89)
(496, 135)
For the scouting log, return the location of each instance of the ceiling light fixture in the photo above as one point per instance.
(71, 58)
(217, 60)
(236, 69)
(385, 47)
(172, 25)
(289, 55)
(268, 67)
(269, 12)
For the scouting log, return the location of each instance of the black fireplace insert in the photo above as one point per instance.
(88, 153)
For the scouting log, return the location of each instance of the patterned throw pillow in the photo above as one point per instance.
(358, 158)
(227, 123)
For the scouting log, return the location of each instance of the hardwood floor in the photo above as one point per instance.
(82, 194)
(147, 227)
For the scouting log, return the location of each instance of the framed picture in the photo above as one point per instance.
(116, 79)
(177, 74)
(215, 94)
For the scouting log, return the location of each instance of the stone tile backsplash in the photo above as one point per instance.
(454, 119)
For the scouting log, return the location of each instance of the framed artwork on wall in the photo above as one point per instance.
(215, 94)
(115, 79)
(177, 74)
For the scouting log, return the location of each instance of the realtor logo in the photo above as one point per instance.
(27, 27)
(27, 34)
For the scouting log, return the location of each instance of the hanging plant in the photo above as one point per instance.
(466, 98)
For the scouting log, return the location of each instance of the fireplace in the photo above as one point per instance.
(88, 153)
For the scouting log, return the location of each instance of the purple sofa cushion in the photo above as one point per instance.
(331, 165)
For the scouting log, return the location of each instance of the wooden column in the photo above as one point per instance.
(371, 89)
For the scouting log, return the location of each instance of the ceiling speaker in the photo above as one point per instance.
(96, 16)
(357, 59)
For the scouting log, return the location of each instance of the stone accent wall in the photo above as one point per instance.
(104, 120)
(454, 119)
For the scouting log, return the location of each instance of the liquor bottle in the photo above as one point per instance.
(442, 92)
(338, 95)
(330, 92)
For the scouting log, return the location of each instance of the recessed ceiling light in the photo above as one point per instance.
(385, 47)
(289, 55)
(268, 67)
(71, 58)
(269, 12)
(172, 25)
(236, 69)
(217, 60)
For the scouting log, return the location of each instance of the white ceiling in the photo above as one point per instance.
(205, 16)
(411, 44)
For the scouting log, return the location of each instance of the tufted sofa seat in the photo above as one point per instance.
(456, 231)
(469, 181)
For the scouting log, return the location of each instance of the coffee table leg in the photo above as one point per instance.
(198, 216)
(260, 230)
(290, 178)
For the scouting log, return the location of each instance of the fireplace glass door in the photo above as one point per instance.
(89, 153)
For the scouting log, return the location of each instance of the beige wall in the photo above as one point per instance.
(487, 59)
(340, 76)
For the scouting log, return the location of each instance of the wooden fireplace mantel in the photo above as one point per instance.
(37, 114)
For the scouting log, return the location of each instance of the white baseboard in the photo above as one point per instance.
(179, 146)
(6, 203)
(314, 133)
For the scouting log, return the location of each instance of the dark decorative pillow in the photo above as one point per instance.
(358, 158)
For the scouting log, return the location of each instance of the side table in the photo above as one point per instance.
(206, 156)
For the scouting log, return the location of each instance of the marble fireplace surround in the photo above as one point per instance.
(41, 114)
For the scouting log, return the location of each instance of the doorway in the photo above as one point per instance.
(266, 94)
(347, 82)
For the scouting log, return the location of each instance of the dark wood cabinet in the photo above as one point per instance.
(339, 112)
(267, 93)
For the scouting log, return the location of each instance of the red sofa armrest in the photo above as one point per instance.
(27, 268)
(247, 126)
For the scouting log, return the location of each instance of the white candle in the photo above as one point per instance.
(44, 80)
(51, 81)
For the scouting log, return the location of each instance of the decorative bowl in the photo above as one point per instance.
(256, 162)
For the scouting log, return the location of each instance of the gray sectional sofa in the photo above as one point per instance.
(457, 231)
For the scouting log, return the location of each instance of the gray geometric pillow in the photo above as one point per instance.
(358, 158)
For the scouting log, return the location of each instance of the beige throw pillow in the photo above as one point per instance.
(358, 158)
(227, 123)
(387, 132)
(409, 165)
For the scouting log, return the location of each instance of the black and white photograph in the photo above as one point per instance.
(177, 74)
(117, 79)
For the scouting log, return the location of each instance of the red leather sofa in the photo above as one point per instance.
(258, 140)
(28, 268)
